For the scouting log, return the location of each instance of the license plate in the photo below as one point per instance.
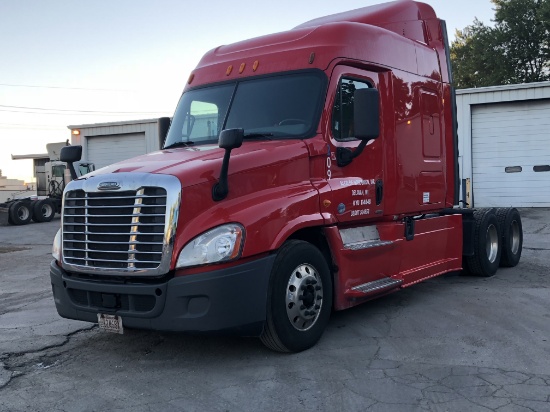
(110, 323)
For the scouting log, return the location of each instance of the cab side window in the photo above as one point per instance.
(342, 113)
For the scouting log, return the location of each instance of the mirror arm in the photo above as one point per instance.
(229, 139)
(73, 171)
(344, 156)
(221, 189)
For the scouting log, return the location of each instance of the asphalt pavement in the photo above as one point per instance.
(453, 343)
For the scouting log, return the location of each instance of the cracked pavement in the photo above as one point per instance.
(453, 343)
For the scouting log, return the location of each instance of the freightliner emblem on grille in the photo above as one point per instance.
(108, 186)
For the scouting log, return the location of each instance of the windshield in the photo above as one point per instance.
(85, 168)
(272, 107)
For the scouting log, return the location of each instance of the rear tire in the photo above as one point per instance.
(43, 211)
(20, 213)
(299, 300)
(512, 236)
(487, 244)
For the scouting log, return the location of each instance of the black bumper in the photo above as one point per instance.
(229, 300)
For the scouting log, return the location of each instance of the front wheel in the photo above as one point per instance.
(300, 298)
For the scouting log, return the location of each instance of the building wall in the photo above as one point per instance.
(117, 131)
(469, 99)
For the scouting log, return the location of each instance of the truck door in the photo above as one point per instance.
(357, 189)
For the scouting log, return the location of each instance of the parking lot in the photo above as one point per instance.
(453, 343)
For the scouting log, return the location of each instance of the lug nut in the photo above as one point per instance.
(313, 281)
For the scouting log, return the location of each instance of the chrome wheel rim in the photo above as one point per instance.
(46, 211)
(23, 213)
(492, 243)
(304, 297)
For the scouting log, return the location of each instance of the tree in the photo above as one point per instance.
(515, 50)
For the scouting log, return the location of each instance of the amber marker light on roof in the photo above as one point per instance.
(408, 122)
(255, 65)
(76, 132)
(241, 68)
(229, 70)
(191, 77)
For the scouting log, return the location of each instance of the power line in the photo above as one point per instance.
(31, 126)
(75, 111)
(26, 124)
(67, 88)
(78, 114)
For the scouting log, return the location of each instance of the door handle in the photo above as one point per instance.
(379, 187)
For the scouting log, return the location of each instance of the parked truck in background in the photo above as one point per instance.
(50, 182)
(303, 172)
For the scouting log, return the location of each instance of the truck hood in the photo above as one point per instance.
(199, 164)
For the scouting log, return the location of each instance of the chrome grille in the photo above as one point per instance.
(118, 230)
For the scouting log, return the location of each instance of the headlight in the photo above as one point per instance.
(221, 244)
(56, 248)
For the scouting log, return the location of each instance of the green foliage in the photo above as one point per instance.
(515, 50)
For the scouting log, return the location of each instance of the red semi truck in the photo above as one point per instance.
(303, 172)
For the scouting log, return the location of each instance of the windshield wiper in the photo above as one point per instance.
(179, 144)
(258, 135)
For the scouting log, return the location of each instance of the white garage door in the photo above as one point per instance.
(109, 149)
(511, 154)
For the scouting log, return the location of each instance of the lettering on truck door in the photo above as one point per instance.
(354, 186)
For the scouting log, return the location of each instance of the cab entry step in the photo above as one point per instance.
(373, 288)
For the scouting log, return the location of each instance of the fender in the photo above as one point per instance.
(273, 202)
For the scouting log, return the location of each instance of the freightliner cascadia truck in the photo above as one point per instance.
(303, 172)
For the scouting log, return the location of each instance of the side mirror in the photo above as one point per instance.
(163, 126)
(70, 154)
(366, 123)
(229, 139)
(366, 114)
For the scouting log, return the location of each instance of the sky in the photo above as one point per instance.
(81, 62)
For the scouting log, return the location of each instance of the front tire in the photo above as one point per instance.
(300, 298)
